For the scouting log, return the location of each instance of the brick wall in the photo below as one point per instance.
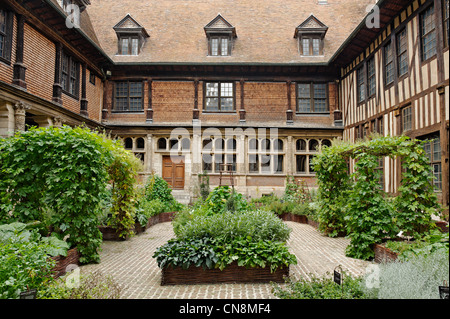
(173, 101)
(94, 95)
(265, 101)
(39, 58)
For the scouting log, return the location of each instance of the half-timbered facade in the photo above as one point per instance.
(255, 88)
(397, 82)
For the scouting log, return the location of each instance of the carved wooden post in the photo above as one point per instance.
(19, 67)
(84, 101)
(289, 112)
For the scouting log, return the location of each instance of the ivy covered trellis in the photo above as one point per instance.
(356, 204)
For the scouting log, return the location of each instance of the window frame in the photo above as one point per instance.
(371, 77)
(220, 50)
(431, 142)
(446, 22)
(404, 117)
(114, 110)
(219, 97)
(311, 51)
(307, 153)
(276, 157)
(7, 35)
(429, 33)
(388, 63)
(225, 153)
(312, 98)
(70, 74)
(360, 85)
(129, 38)
(404, 53)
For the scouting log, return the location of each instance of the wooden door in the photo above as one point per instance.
(173, 171)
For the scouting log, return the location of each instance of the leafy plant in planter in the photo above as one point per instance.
(24, 258)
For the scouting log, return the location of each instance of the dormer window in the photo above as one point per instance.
(220, 34)
(310, 35)
(131, 36)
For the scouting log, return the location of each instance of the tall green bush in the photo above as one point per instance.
(334, 184)
(64, 171)
(123, 172)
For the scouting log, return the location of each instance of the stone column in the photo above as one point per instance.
(149, 154)
(20, 110)
(290, 159)
(58, 121)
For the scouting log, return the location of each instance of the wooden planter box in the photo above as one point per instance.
(231, 274)
(73, 257)
(383, 254)
(442, 225)
(294, 218)
(313, 223)
(111, 234)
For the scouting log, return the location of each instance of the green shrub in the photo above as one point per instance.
(222, 199)
(24, 259)
(220, 252)
(61, 171)
(94, 285)
(157, 188)
(281, 207)
(198, 252)
(321, 288)
(260, 225)
(147, 209)
(251, 252)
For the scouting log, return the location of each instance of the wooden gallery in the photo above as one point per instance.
(253, 88)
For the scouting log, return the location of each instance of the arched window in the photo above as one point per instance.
(313, 145)
(185, 144)
(162, 144)
(231, 144)
(253, 144)
(140, 143)
(300, 145)
(173, 144)
(218, 144)
(326, 143)
(207, 144)
(129, 143)
(265, 145)
(278, 145)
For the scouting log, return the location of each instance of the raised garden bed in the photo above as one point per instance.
(294, 218)
(73, 257)
(383, 254)
(111, 234)
(230, 274)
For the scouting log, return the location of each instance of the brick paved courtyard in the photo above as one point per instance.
(132, 266)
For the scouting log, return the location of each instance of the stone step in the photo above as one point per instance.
(181, 196)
